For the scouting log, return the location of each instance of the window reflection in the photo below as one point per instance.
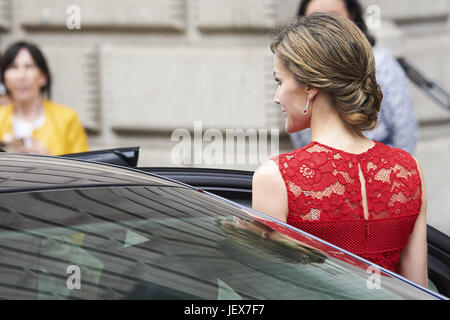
(163, 243)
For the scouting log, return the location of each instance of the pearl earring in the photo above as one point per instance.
(305, 111)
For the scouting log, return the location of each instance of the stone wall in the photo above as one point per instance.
(137, 70)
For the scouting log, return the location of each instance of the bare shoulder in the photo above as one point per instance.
(424, 190)
(419, 167)
(268, 176)
(268, 169)
(269, 194)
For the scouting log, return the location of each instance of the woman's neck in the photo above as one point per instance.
(329, 129)
(29, 110)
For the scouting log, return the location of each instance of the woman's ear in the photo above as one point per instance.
(42, 80)
(312, 92)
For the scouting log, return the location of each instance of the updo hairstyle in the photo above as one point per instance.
(331, 53)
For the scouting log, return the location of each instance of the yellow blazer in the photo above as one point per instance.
(62, 131)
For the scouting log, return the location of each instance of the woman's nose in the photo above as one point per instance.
(275, 98)
(21, 72)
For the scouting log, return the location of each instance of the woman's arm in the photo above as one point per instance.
(269, 194)
(413, 261)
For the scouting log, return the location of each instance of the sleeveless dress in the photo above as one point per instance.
(325, 200)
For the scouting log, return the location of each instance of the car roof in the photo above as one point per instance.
(26, 172)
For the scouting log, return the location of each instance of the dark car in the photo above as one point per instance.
(72, 229)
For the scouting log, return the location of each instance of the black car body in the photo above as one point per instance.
(72, 229)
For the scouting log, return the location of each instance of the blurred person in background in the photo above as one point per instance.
(30, 123)
(397, 124)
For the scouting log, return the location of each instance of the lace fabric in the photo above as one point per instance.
(325, 199)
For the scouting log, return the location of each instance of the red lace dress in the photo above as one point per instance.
(324, 195)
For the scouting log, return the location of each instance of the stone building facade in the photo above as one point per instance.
(139, 71)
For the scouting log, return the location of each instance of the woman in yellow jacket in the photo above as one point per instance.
(31, 123)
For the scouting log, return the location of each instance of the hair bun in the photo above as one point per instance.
(366, 109)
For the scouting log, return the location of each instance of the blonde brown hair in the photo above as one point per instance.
(329, 52)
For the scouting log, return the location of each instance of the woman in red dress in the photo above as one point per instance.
(359, 194)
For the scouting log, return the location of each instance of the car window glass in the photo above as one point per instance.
(162, 243)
